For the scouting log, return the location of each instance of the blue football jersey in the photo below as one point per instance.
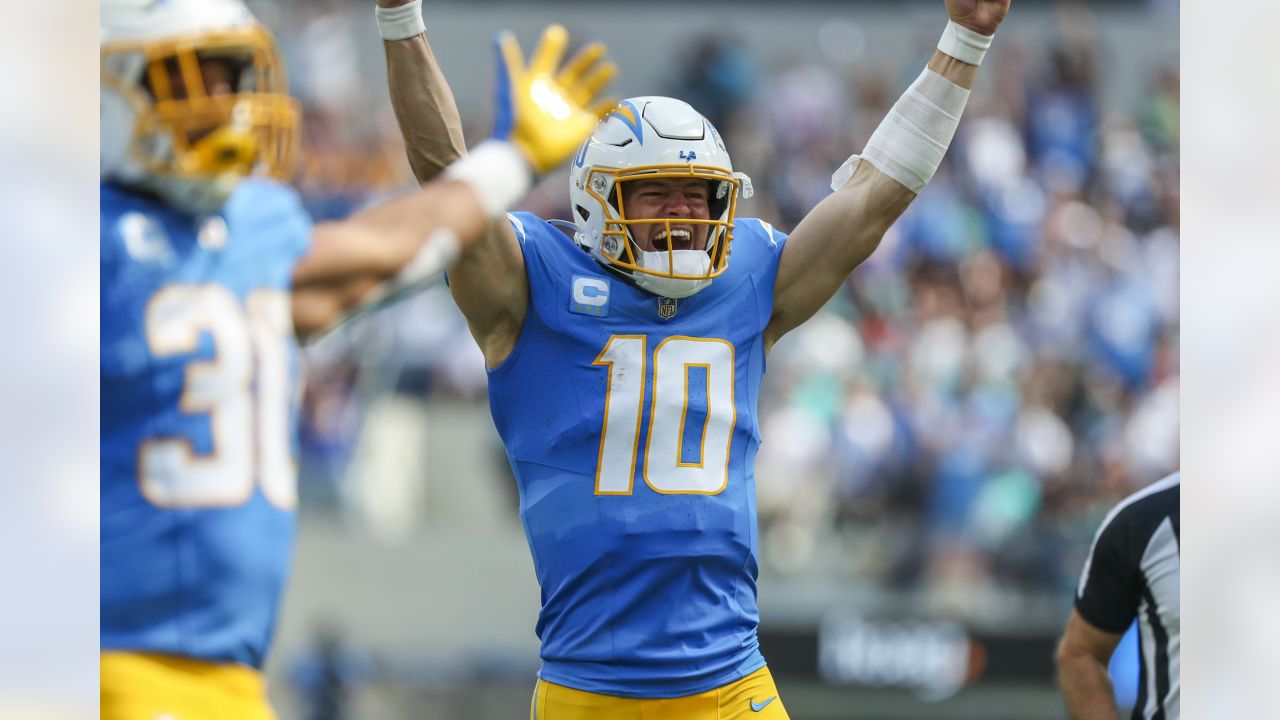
(199, 372)
(630, 423)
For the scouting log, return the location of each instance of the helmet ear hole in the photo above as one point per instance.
(583, 213)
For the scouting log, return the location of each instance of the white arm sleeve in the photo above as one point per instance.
(909, 143)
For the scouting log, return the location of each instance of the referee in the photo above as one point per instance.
(1132, 571)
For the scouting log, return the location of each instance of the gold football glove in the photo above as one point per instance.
(545, 113)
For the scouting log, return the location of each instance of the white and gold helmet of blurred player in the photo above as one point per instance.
(193, 99)
(648, 138)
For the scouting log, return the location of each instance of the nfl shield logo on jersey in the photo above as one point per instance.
(666, 308)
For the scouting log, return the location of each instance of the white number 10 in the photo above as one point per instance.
(664, 469)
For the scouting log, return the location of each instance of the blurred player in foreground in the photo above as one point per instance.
(625, 355)
(1133, 571)
(209, 269)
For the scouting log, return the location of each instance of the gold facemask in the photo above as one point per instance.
(185, 130)
(617, 245)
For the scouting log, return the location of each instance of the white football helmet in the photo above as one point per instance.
(162, 129)
(654, 138)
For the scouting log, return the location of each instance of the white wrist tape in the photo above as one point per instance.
(398, 23)
(497, 171)
(909, 143)
(964, 44)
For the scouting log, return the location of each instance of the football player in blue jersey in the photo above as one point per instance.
(625, 351)
(209, 268)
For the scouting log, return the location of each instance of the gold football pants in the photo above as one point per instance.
(147, 686)
(754, 697)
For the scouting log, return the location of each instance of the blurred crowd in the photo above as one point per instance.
(999, 373)
(1005, 366)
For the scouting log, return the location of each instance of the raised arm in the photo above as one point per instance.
(488, 281)
(420, 95)
(384, 251)
(900, 158)
(1083, 655)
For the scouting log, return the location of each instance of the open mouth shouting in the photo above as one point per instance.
(680, 238)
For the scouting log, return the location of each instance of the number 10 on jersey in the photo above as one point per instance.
(675, 360)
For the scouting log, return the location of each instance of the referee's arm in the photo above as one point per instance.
(1083, 655)
(1105, 605)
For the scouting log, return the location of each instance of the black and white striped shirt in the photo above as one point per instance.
(1133, 570)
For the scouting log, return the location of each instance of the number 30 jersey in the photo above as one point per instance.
(199, 380)
(630, 423)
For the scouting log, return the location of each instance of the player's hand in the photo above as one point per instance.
(543, 109)
(980, 16)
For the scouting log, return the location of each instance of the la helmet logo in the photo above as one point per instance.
(689, 155)
(666, 308)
